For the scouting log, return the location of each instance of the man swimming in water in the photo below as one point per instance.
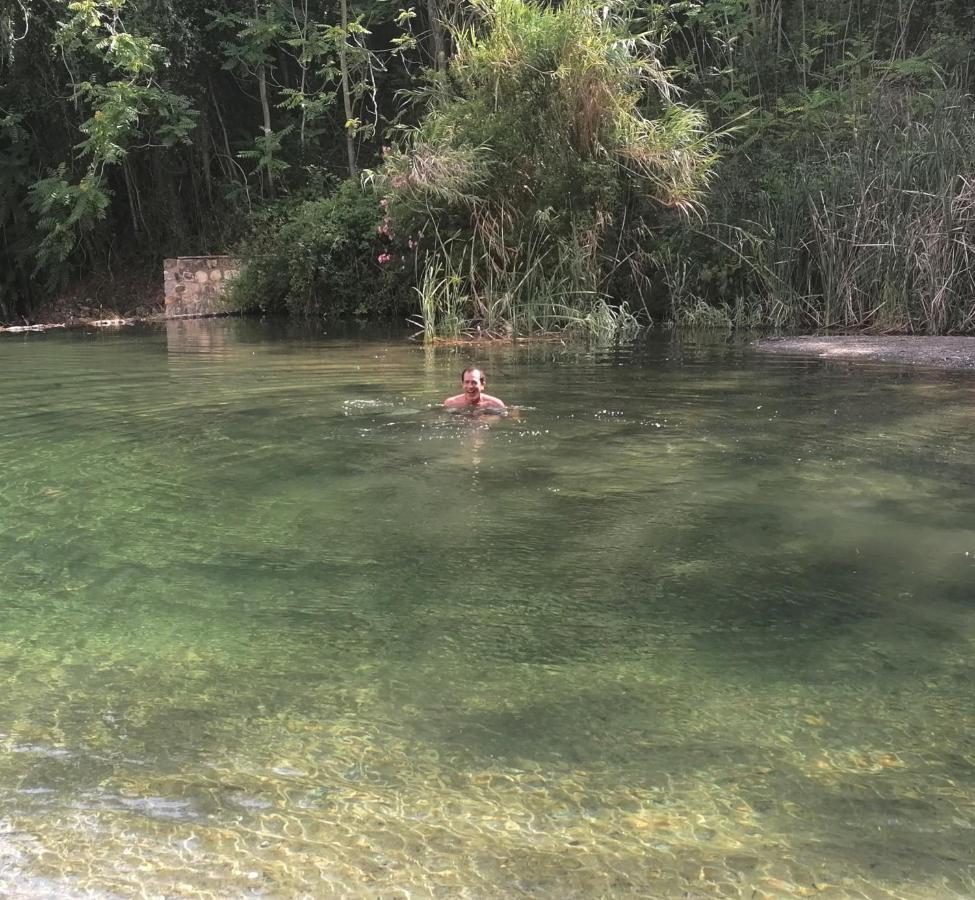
(473, 396)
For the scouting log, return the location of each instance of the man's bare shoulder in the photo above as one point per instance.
(455, 401)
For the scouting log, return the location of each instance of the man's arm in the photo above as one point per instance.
(489, 402)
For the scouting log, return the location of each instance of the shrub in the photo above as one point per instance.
(316, 258)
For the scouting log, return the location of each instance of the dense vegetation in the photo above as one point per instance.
(502, 164)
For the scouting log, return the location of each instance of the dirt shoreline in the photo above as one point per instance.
(135, 294)
(934, 352)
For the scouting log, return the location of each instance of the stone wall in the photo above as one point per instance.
(194, 285)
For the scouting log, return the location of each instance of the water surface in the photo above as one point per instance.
(695, 623)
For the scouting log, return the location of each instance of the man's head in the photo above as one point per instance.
(473, 380)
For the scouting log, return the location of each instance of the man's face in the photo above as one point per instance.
(473, 384)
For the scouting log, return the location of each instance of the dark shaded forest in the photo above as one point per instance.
(503, 165)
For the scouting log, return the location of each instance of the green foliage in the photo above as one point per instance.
(120, 110)
(845, 203)
(65, 212)
(531, 149)
(542, 177)
(119, 107)
(131, 100)
(542, 110)
(318, 258)
(16, 235)
(265, 152)
(261, 46)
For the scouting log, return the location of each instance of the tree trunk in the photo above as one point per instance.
(133, 198)
(205, 159)
(304, 76)
(436, 32)
(346, 96)
(266, 110)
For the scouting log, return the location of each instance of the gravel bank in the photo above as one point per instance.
(939, 352)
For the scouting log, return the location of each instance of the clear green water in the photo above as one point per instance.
(699, 623)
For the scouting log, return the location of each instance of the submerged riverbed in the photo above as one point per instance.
(696, 622)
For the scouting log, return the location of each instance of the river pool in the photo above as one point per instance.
(695, 622)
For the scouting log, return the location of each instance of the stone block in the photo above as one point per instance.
(194, 285)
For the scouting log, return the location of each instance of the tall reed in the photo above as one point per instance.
(847, 201)
(541, 285)
(876, 233)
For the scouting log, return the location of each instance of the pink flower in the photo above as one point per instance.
(383, 258)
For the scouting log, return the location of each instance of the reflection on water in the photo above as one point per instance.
(697, 623)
